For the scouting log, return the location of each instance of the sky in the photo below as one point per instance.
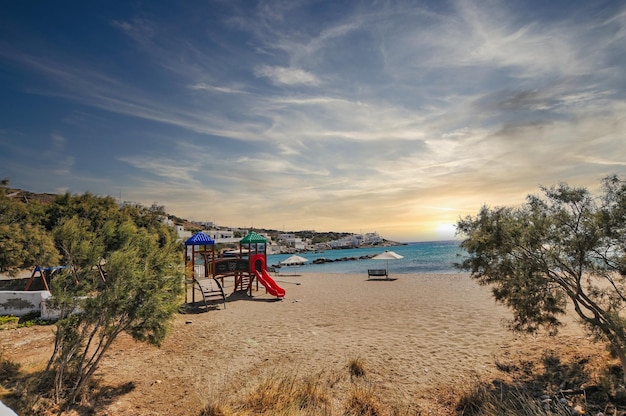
(395, 117)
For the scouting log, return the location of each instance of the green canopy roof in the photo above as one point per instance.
(252, 238)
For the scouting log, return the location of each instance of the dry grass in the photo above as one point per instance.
(553, 383)
(288, 395)
(356, 367)
(329, 393)
(363, 401)
(483, 399)
(353, 389)
(214, 409)
(279, 394)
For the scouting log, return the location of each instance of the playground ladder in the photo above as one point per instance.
(244, 283)
(212, 290)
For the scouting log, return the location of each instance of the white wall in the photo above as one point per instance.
(20, 303)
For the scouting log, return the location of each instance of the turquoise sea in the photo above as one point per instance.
(423, 257)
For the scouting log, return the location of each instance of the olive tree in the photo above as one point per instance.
(566, 247)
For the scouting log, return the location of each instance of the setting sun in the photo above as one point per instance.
(446, 231)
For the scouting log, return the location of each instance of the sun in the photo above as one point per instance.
(445, 231)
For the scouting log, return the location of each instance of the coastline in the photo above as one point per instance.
(435, 257)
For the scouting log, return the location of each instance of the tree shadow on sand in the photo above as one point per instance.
(551, 385)
(201, 306)
(30, 392)
(244, 295)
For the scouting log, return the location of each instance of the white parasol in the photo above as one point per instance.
(294, 261)
(387, 255)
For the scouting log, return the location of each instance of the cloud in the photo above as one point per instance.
(528, 50)
(141, 30)
(167, 168)
(226, 90)
(59, 142)
(286, 76)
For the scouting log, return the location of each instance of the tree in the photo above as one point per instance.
(98, 210)
(123, 274)
(23, 242)
(565, 247)
(138, 293)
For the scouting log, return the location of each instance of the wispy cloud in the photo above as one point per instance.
(286, 76)
(212, 88)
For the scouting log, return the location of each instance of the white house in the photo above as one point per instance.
(293, 242)
(182, 233)
(222, 236)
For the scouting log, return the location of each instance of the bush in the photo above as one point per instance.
(8, 321)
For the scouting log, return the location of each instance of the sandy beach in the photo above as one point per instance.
(413, 334)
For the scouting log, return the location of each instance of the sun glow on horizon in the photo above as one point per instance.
(445, 231)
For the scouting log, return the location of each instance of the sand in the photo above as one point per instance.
(412, 334)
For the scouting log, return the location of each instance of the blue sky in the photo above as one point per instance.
(391, 116)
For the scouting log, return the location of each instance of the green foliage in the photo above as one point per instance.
(28, 320)
(23, 242)
(97, 210)
(567, 246)
(123, 278)
(8, 321)
(123, 274)
(80, 247)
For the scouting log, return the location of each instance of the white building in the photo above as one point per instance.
(182, 233)
(292, 242)
(372, 238)
(356, 240)
(222, 236)
(350, 241)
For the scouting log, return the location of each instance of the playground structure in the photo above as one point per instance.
(205, 269)
(45, 274)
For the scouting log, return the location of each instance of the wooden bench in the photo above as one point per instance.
(377, 273)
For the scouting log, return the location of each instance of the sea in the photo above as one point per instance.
(420, 257)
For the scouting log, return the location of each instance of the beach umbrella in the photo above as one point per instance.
(387, 255)
(294, 261)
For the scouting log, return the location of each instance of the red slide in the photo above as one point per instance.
(258, 267)
(269, 283)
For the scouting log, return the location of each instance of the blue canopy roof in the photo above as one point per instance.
(199, 239)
